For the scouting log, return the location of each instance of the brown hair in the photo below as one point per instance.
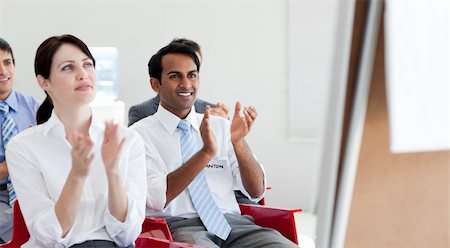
(43, 62)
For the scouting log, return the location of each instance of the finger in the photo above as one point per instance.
(248, 115)
(114, 132)
(225, 109)
(207, 112)
(121, 144)
(237, 109)
(108, 127)
(248, 119)
(252, 111)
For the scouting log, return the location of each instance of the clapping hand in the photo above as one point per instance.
(111, 146)
(242, 124)
(209, 140)
(81, 153)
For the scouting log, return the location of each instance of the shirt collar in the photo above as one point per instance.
(170, 121)
(55, 124)
(12, 102)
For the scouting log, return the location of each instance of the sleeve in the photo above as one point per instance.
(156, 172)
(37, 207)
(156, 178)
(125, 233)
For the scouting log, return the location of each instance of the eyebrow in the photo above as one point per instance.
(179, 72)
(72, 61)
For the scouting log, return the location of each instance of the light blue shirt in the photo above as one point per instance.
(23, 110)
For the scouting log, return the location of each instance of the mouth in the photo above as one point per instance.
(83, 87)
(4, 79)
(185, 94)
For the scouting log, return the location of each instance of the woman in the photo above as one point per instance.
(80, 182)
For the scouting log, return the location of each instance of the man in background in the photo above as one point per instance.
(17, 112)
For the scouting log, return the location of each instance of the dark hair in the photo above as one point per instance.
(43, 62)
(190, 43)
(4, 46)
(155, 65)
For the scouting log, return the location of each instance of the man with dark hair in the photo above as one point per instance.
(17, 112)
(195, 161)
(149, 107)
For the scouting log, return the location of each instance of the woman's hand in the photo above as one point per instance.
(111, 146)
(81, 153)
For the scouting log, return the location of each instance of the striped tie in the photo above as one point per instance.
(9, 129)
(207, 209)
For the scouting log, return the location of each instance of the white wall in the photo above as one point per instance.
(244, 43)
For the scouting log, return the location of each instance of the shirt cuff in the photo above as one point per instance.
(49, 231)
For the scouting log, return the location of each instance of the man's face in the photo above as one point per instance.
(7, 74)
(179, 83)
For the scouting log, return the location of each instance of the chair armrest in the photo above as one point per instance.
(156, 228)
(144, 242)
(282, 220)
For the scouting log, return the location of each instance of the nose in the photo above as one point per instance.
(185, 82)
(82, 75)
(2, 69)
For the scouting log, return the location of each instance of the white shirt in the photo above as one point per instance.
(163, 154)
(39, 160)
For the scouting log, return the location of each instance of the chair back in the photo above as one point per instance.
(20, 233)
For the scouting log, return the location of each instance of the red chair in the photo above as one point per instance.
(279, 219)
(20, 235)
(282, 220)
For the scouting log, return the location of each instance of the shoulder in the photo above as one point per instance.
(200, 105)
(26, 99)
(28, 136)
(146, 104)
(144, 124)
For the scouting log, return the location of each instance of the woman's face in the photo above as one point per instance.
(72, 80)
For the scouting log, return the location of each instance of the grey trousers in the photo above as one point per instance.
(244, 233)
(6, 216)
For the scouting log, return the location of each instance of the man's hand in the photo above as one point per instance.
(242, 124)
(209, 140)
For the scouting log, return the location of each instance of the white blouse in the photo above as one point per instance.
(39, 160)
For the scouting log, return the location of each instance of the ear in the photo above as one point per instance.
(43, 83)
(155, 84)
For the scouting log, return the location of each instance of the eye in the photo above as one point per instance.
(88, 64)
(7, 62)
(174, 76)
(192, 75)
(67, 68)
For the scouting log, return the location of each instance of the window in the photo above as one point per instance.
(106, 66)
